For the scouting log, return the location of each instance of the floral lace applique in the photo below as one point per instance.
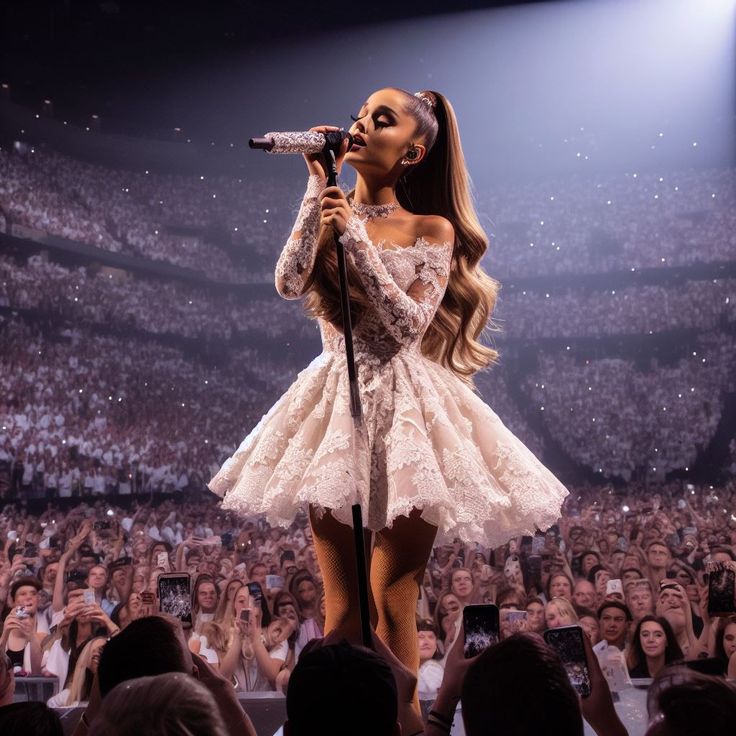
(405, 314)
(296, 261)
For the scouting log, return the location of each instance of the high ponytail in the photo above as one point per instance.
(438, 185)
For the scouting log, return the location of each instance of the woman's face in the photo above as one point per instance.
(427, 645)
(287, 609)
(279, 631)
(560, 587)
(307, 591)
(729, 640)
(450, 604)
(535, 617)
(387, 131)
(242, 600)
(652, 638)
(134, 605)
(462, 584)
(587, 563)
(554, 617)
(207, 597)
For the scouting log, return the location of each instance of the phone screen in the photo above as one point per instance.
(481, 626)
(174, 594)
(256, 593)
(567, 641)
(721, 591)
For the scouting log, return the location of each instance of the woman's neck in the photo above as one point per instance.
(374, 191)
(655, 664)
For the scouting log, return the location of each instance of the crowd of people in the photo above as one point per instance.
(610, 223)
(118, 429)
(614, 417)
(579, 225)
(630, 568)
(112, 298)
(218, 226)
(641, 310)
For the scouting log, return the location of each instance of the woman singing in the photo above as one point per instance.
(438, 462)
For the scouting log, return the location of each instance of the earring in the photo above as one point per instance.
(411, 154)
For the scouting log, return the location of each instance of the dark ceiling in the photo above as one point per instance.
(77, 51)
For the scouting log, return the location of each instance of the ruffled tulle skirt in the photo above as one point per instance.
(427, 441)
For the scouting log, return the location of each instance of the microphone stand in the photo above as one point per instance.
(355, 412)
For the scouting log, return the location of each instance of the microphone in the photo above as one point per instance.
(301, 142)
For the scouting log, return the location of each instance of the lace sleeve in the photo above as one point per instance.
(296, 261)
(406, 315)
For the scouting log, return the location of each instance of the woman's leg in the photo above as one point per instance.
(399, 559)
(335, 548)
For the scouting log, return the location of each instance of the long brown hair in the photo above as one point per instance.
(438, 185)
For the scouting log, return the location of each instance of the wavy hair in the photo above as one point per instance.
(438, 185)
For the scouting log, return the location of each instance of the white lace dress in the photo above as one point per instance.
(428, 440)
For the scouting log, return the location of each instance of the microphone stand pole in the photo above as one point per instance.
(355, 412)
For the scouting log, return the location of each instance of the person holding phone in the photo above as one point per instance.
(20, 639)
(431, 458)
(255, 655)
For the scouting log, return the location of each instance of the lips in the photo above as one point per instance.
(358, 142)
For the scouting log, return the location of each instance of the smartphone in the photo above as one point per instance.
(721, 589)
(12, 535)
(175, 595)
(481, 624)
(245, 615)
(20, 612)
(89, 597)
(162, 560)
(100, 526)
(567, 641)
(256, 592)
(147, 598)
(274, 582)
(30, 550)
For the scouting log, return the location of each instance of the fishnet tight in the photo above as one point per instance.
(397, 565)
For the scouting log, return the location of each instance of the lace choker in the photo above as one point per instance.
(372, 211)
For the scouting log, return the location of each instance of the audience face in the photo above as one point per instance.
(588, 562)
(207, 597)
(97, 578)
(584, 594)
(427, 645)
(729, 640)
(555, 617)
(241, 601)
(613, 626)
(27, 597)
(653, 639)
(639, 599)
(307, 592)
(559, 587)
(535, 618)
(658, 556)
(462, 584)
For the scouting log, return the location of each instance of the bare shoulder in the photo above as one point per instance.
(435, 228)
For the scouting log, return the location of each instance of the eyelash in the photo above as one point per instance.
(377, 123)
